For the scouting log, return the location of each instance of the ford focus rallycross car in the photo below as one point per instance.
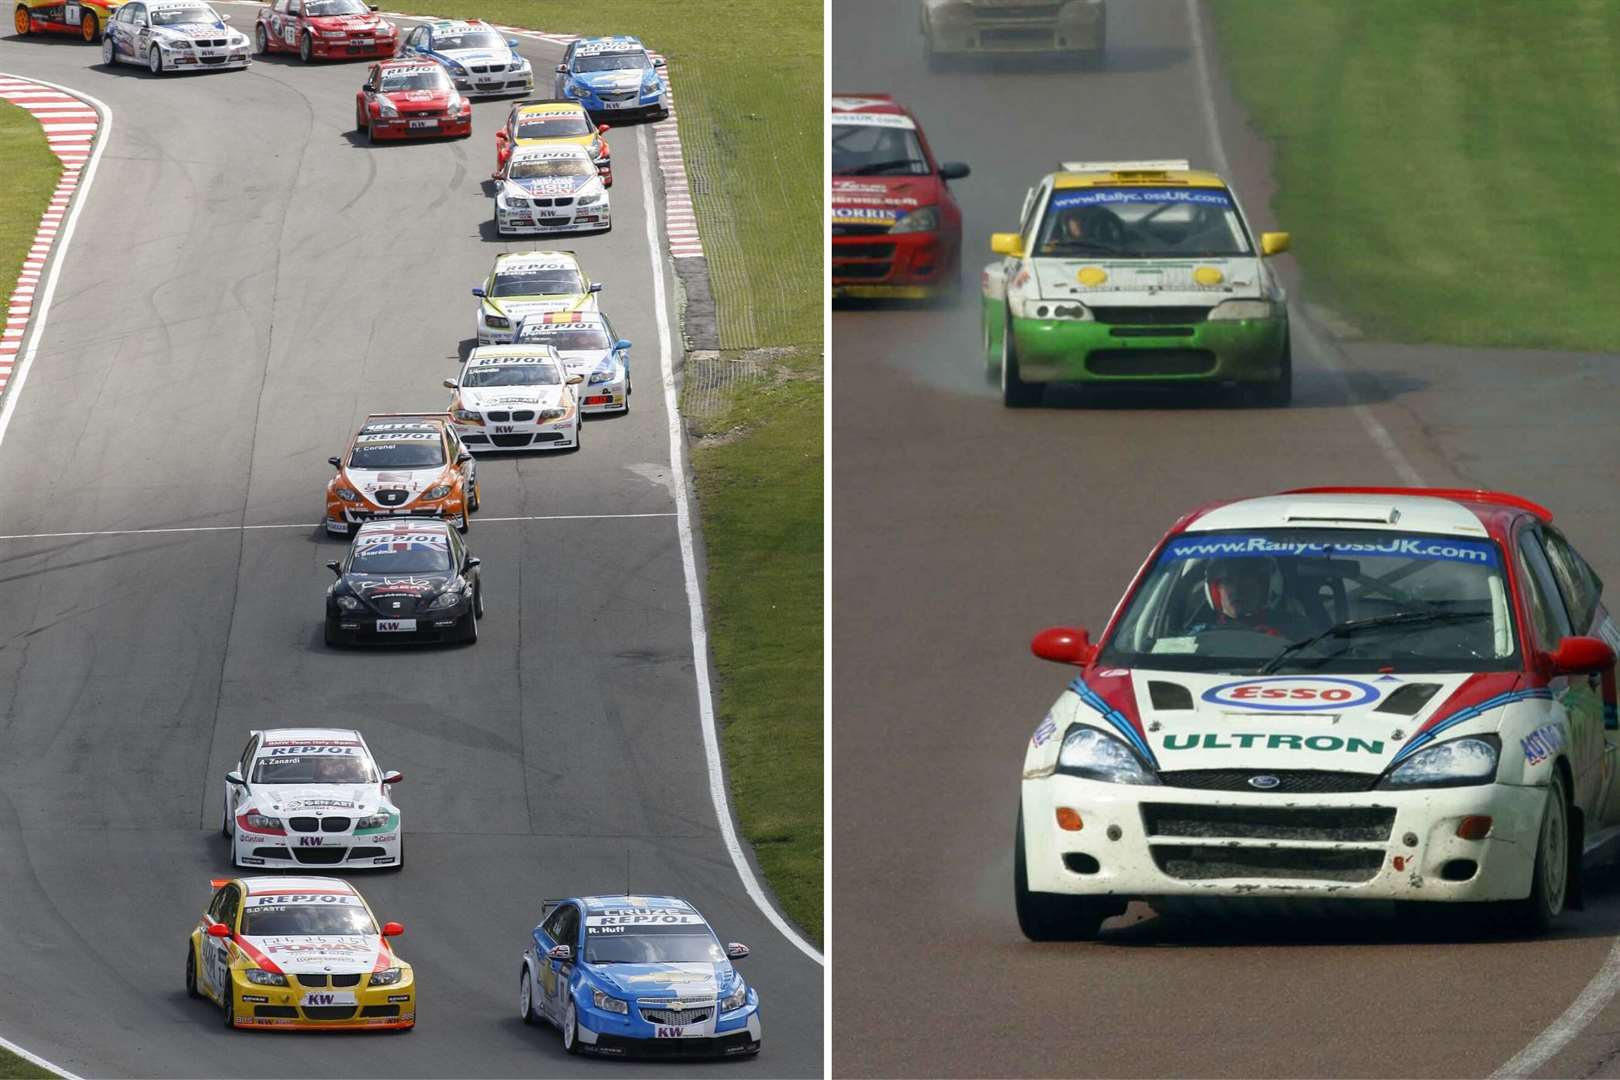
(515, 397)
(311, 797)
(1352, 693)
(402, 465)
(550, 189)
(298, 952)
(85, 18)
(173, 35)
(479, 59)
(1135, 271)
(324, 30)
(590, 350)
(1018, 28)
(409, 99)
(404, 581)
(554, 123)
(525, 283)
(897, 231)
(613, 75)
(640, 975)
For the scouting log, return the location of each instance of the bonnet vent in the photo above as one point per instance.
(1168, 696)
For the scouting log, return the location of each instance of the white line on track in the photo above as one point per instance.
(37, 1060)
(1323, 351)
(1581, 1012)
(305, 525)
(694, 595)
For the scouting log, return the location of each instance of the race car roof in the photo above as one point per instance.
(401, 526)
(305, 736)
(871, 111)
(541, 108)
(598, 45)
(1386, 511)
(549, 150)
(460, 26)
(866, 103)
(510, 260)
(499, 354)
(560, 320)
(258, 885)
(382, 422)
(657, 903)
(1124, 177)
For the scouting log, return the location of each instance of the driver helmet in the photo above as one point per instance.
(1242, 588)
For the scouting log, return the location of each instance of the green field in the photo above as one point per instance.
(13, 1067)
(1447, 168)
(30, 171)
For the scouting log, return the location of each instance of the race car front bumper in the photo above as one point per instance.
(421, 127)
(1088, 351)
(325, 1007)
(494, 83)
(733, 1034)
(960, 27)
(219, 59)
(511, 219)
(895, 266)
(373, 48)
(342, 518)
(1138, 841)
(638, 105)
(294, 847)
(606, 397)
(562, 434)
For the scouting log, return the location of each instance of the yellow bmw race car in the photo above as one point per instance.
(554, 123)
(298, 952)
(83, 17)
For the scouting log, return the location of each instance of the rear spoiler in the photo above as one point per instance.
(544, 101)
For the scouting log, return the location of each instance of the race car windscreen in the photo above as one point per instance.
(323, 8)
(300, 919)
(574, 339)
(619, 61)
(512, 375)
(866, 150)
(651, 947)
(472, 39)
(553, 125)
(384, 553)
(1140, 223)
(1322, 600)
(314, 769)
(397, 454)
(191, 13)
(554, 281)
(529, 168)
(435, 78)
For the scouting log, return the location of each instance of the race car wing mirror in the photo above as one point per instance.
(336, 567)
(658, 61)
(601, 129)
(1064, 645)
(1581, 656)
(596, 286)
(334, 462)
(560, 952)
(218, 929)
(449, 384)
(1007, 243)
(478, 291)
(562, 69)
(511, 41)
(953, 170)
(621, 344)
(736, 950)
(235, 777)
(463, 457)
(1273, 243)
(392, 929)
(472, 561)
(393, 776)
(575, 380)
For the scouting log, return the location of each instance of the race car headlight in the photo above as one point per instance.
(552, 414)
(437, 491)
(497, 322)
(1245, 309)
(447, 599)
(589, 200)
(514, 200)
(386, 108)
(924, 220)
(606, 375)
(465, 417)
(608, 1004)
(385, 977)
(1048, 309)
(736, 998)
(374, 821)
(261, 821)
(347, 495)
(1096, 755)
(176, 43)
(455, 106)
(454, 68)
(574, 90)
(652, 85)
(348, 603)
(1459, 762)
(265, 978)
(522, 64)
(332, 33)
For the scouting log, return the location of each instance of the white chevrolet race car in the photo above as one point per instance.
(525, 283)
(550, 189)
(515, 397)
(589, 349)
(1335, 693)
(311, 797)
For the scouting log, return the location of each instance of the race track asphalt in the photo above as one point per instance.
(960, 528)
(248, 281)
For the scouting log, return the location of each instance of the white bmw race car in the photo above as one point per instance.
(550, 189)
(173, 35)
(515, 397)
(311, 797)
(589, 349)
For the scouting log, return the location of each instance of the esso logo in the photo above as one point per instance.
(1293, 693)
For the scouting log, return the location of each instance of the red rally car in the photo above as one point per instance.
(324, 30)
(410, 99)
(897, 232)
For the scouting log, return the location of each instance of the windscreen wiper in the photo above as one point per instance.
(1351, 627)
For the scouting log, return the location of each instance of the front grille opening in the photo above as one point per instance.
(1409, 699)
(1080, 863)
(280, 1012)
(335, 824)
(1150, 316)
(380, 1010)
(675, 1017)
(1143, 362)
(329, 1012)
(1290, 781)
(1195, 863)
(1325, 823)
(367, 853)
(325, 856)
(272, 853)
(1168, 695)
(1459, 870)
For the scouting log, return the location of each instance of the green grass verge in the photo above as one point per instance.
(13, 1067)
(1448, 167)
(759, 485)
(746, 75)
(30, 171)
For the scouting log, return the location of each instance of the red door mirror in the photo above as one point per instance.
(1581, 656)
(392, 929)
(1064, 645)
(218, 929)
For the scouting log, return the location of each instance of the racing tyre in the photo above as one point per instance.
(570, 1028)
(23, 23)
(1275, 395)
(89, 28)
(478, 600)
(306, 49)
(526, 998)
(1051, 916)
(230, 1005)
(1550, 879)
(331, 635)
(109, 56)
(469, 632)
(191, 973)
(1015, 392)
(261, 44)
(474, 502)
(154, 60)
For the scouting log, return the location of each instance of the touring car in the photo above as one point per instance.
(953, 29)
(298, 953)
(479, 59)
(410, 99)
(614, 75)
(897, 230)
(86, 18)
(550, 123)
(402, 465)
(407, 580)
(312, 797)
(173, 35)
(550, 189)
(1135, 272)
(590, 350)
(1400, 694)
(524, 283)
(324, 30)
(642, 975)
(515, 397)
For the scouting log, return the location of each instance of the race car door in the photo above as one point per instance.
(121, 31)
(998, 274)
(235, 793)
(217, 951)
(1582, 592)
(555, 976)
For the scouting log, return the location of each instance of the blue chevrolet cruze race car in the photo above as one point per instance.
(613, 76)
(639, 975)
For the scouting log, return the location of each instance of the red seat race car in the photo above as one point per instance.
(897, 232)
(324, 30)
(410, 99)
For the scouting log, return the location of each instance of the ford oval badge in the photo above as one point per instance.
(1264, 783)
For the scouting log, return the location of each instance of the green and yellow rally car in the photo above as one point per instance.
(1134, 271)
